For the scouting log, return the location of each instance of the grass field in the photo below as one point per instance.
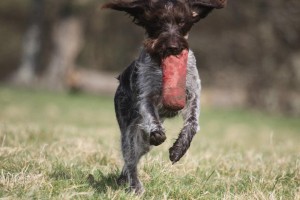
(60, 146)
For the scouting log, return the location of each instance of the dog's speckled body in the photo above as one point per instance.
(138, 100)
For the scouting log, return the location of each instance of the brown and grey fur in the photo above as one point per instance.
(138, 99)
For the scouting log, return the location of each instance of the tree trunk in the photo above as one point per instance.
(26, 74)
(67, 39)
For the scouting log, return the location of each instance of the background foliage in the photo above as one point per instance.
(248, 53)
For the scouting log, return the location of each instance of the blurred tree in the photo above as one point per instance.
(248, 53)
(51, 44)
(67, 39)
(26, 73)
(13, 16)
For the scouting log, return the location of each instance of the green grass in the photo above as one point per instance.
(61, 146)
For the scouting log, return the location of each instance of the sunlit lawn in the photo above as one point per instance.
(51, 143)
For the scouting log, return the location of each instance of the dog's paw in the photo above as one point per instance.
(157, 137)
(175, 153)
(122, 180)
(136, 188)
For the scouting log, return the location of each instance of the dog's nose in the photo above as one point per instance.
(174, 49)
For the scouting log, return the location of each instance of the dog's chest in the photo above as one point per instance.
(150, 86)
(148, 82)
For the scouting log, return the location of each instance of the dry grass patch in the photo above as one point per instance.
(59, 146)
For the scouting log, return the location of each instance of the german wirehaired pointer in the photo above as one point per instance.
(139, 99)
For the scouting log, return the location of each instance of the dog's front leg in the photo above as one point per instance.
(190, 115)
(150, 122)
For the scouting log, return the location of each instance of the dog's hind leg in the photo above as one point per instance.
(135, 144)
(122, 102)
(123, 178)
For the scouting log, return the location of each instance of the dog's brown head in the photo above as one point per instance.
(167, 22)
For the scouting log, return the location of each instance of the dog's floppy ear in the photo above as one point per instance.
(201, 8)
(134, 8)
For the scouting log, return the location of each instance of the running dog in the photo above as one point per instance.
(139, 99)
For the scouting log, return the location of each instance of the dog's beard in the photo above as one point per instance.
(158, 48)
(174, 66)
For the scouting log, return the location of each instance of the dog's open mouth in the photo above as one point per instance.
(174, 80)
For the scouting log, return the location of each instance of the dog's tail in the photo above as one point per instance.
(182, 143)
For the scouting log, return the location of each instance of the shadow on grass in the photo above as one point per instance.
(104, 182)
